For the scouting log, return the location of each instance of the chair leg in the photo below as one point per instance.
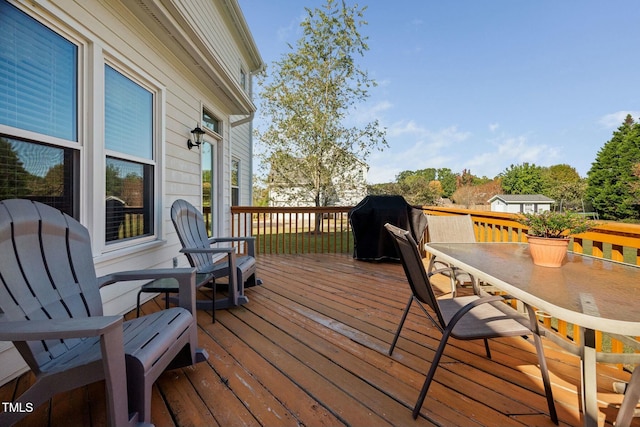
(213, 300)
(454, 282)
(544, 371)
(631, 397)
(138, 304)
(487, 349)
(114, 366)
(404, 317)
(542, 361)
(432, 371)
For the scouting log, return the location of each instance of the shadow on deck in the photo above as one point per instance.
(310, 348)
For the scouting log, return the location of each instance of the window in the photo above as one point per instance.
(208, 169)
(38, 172)
(42, 134)
(38, 93)
(243, 79)
(528, 208)
(209, 121)
(129, 163)
(209, 163)
(235, 182)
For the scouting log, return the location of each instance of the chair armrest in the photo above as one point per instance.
(249, 240)
(157, 273)
(232, 239)
(440, 271)
(186, 278)
(110, 331)
(35, 330)
(207, 250)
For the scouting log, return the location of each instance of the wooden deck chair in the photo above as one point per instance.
(200, 251)
(450, 229)
(465, 318)
(51, 309)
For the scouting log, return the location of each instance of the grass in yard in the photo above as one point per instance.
(307, 242)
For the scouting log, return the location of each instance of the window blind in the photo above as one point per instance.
(128, 116)
(38, 76)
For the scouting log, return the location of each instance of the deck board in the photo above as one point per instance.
(310, 348)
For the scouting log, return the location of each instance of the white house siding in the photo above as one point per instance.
(241, 148)
(122, 32)
(346, 195)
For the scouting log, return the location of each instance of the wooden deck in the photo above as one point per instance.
(310, 348)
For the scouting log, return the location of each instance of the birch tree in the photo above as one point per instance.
(312, 144)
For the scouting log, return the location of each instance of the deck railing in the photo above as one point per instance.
(327, 229)
(610, 240)
(295, 230)
(298, 230)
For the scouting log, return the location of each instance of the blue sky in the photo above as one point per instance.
(481, 85)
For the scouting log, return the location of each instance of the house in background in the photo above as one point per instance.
(98, 99)
(347, 189)
(520, 203)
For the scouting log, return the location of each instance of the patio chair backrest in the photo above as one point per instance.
(46, 270)
(450, 229)
(414, 269)
(192, 232)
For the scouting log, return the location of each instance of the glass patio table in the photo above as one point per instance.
(593, 293)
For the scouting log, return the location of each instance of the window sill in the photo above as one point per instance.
(128, 251)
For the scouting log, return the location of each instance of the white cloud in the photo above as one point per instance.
(287, 33)
(367, 112)
(413, 147)
(509, 150)
(494, 126)
(374, 110)
(614, 120)
(405, 128)
(383, 83)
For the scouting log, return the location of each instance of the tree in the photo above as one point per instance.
(311, 146)
(563, 184)
(611, 181)
(419, 187)
(522, 179)
(448, 181)
(428, 174)
(260, 193)
(477, 193)
(14, 178)
(384, 189)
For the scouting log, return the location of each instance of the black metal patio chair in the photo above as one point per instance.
(465, 318)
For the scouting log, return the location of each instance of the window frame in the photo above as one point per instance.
(528, 208)
(89, 151)
(235, 187)
(76, 146)
(157, 117)
(216, 145)
(218, 133)
(244, 81)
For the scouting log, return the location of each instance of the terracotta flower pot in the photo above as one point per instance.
(548, 252)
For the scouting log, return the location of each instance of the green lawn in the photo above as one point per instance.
(299, 243)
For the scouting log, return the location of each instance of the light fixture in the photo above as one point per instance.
(197, 138)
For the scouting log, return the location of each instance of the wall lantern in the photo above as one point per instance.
(197, 138)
